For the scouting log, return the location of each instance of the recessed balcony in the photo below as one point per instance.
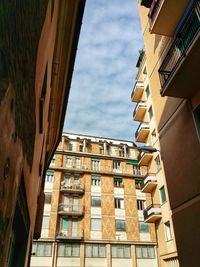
(75, 188)
(160, 12)
(137, 93)
(152, 213)
(140, 112)
(69, 235)
(144, 158)
(142, 132)
(148, 184)
(70, 210)
(179, 71)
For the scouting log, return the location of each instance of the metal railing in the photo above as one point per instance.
(155, 6)
(142, 125)
(71, 187)
(152, 209)
(69, 234)
(182, 42)
(64, 208)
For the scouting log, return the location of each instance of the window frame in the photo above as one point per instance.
(73, 247)
(120, 229)
(92, 250)
(120, 247)
(35, 247)
(163, 193)
(143, 253)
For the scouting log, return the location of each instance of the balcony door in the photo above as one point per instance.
(75, 203)
(74, 227)
(66, 202)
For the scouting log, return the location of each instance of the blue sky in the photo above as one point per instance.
(104, 72)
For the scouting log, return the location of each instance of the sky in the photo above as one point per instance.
(104, 72)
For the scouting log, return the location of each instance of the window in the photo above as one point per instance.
(64, 224)
(158, 163)
(68, 250)
(112, 151)
(96, 201)
(49, 177)
(120, 225)
(136, 170)
(119, 203)
(121, 251)
(95, 164)
(76, 179)
(78, 162)
(95, 224)
(41, 249)
(122, 152)
(150, 112)
(138, 184)
(45, 222)
(196, 114)
(81, 147)
(116, 165)
(144, 227)
(96, 180)
(145, 252)
(101, 148)
(163, 195)
(147, 91)
(53, 160)
(153, 136)
(71, 146)
(95, 250)
(47, 198)
(118, 182)
(140, 204)
(67, 179)
(69, 162)
(168, 231)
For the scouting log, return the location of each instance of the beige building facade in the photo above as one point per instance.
(171, 42)
(94, 207)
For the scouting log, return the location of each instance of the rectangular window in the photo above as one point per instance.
(121, 251)
(95, 250)
(67, 179)
(95, 224)
(64, 224)
(140, 204)
(153, 136)
(76, 179)
(74, 227)
(95, 164)
(78, 162)
(95, 201)
(81, 147)
(168, 231)
(145, 252)
(120, 225)
(45, 222)
(71, 146)
(68, 250)
(144, 227)
(49, 177)
(150, 112)
(41, 249)
(136, 170)
(48, 198)
(118, 182)
(69, 162)
(158, 163)
(119, 203)
(53, 161)
(163, 195)
(138, 183)
(122, 152)
(96, 180)
(147, 91)
(116, 165)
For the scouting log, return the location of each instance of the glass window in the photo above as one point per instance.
(163, 195)
(122, 152)
(150, 112)
(138, 183)
(76, 179)
(41, 249)
(95, 250)
(69, 162)
(137, 170)
(96, 180)
(120, 225)
(118, 182)
(53, 160)
(49, 177)
(140, 204)
(145, 252)
(68, 250)
(144, 227)
(67, 179)
(95, 224)
(158, 163)
(147, 91)
(121, 251)
(96, 201)
(64, 224)
(45, 222)
(116, 164)
(153, 136)
(47, 198)
(168, 231)
(119, 203)
(95, 164)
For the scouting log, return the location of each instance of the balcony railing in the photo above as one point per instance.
(73, 188)
(65, 209)
(184, 38)
(154, 10)
(149, 183)
(152, 213)
(69, 234)
(142, 127)
(139, 111)
(144, 158)
(137, 91)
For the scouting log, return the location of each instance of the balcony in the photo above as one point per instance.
(148, 184)
(70, 210)
(76, 168)
(179, 71)
(144, 158)
(71, 188)
(146, 3)
(160, 12)
(142, 132)
(137, 92)
(69, 235)
(152, 213)
(139, 112)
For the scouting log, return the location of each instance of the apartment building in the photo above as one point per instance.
(93, 214)
(37, 52)
(171, 31)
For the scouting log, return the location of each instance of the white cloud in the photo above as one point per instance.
(104, 73)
